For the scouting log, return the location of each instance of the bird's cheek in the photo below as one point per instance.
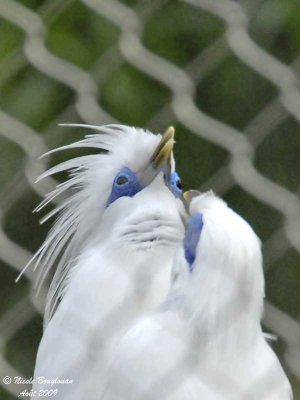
(126, 191)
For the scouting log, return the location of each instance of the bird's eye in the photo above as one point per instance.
(178, 184)
(125, 184)
(175, 184)
(121, 180)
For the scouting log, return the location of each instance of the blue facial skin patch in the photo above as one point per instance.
(192, 236)
(175, 184)
(125, 184)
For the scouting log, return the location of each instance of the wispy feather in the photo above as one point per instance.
(80, 212)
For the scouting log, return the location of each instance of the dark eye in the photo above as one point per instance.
(178, 184)
(121, 180)
(174, 182)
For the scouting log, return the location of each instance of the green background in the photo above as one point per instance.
(231, 92)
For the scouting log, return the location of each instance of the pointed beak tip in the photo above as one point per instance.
(168, 134)
(189, 195)
(171, 131)
(163, 157)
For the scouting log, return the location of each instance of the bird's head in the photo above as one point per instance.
(140, 187)
(136, 160)
(223, 256)
(130, 160)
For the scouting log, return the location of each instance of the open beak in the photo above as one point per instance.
(161, 159)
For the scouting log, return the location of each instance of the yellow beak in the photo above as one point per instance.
(161, 159)
(189, 195)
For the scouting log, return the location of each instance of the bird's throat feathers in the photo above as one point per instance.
(226, 275)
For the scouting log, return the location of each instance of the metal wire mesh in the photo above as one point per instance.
(236, 145)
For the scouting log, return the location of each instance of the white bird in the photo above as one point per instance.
(117, 233)
(205, 341)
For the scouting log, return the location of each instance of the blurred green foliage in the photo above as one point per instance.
(10, 38)
(224, 95)
(80, 35)
(231, 92)
(47, 97)
(124, 96)
(179, 32)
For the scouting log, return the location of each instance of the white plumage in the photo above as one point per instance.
(117, 253)
(205, 341)
(112, 324)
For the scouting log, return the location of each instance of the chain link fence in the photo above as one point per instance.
(224, 73)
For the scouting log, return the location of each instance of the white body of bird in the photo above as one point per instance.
(121, 271)
(205, 341)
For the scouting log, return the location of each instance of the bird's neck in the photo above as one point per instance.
(226, 308)
(104, 281)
